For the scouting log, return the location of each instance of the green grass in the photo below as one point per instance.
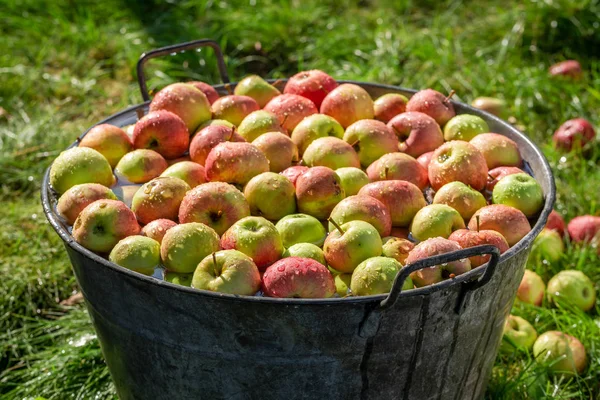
(65, 65)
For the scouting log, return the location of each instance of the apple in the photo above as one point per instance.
(350, 244)
(363, 208)
(233, 108)
(400, 232)
(352, 179)
(212, 122)
(348, 103)
(79, 165)
(109, 140)
(78, 197)
(584, 228)
(140, 166)
(137, 253)
(436, 220)
(270, 195)
(291, 109)
(574, 134)
(424, 159)
(376, 275)
(306, 250)
(279, 150)
(313, 84)
(103, 223)
(492, 105)
(157, 229)
(495, 174)
(330, 152)
(548, 245)
(498, 150)
(432, 103)
(569, 68)
(258, 122)
(235, 162)
(188, 171)
(314, 127)
(227, 271)
(506, 220)
(465, 127)
(257, 238)
(556, 223)
(458, 161)
(520, 191)
(468, 238)
(461, 197)
(295, 277)
(179, 279)
(318, 190)
(388, 106)
(184, 100)
(397, 248)
(564, 354)
(403, 199)
(436, 273)
(216, 204)
(163, 132)
(417, 133)
(572, 287)
(294, 172)
(371, 139)
(159, 198)
(342, 284)
(208, 138)
(185, 245)
(210, 92)
(518, 334)
(398, 166)
(301, 228)
(531, 289)
(256, 87)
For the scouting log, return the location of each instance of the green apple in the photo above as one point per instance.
(79, 165)
(352, 179)
(233, 108)
(190, 172)
(140, 166)
(461, 197)
(397, 248)
(137, 253)
(520, 191)
(572, 287)
(498, 150)
(531, 289)
(270, 195)
(376, 276)
(465, 127)
(548, 245)
(301, 228)
(330, 152)
(257, 123)
(564, 354)
(179, 279)
(350, 244)
(518, 334)
(306, 250)
(313, 127)
(185, 245)
(436, 220)
(342, 284)
(256, 87)
(227, 271)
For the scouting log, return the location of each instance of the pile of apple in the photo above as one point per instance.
(316, 191)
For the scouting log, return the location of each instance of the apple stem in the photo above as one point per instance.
(452, 276)
(339, 228)
(452, 92)
(276, 83)
(140, 113)
(385, 172)
(231, 134)
(285, 117)
(356, 142)
(228, 88)
(214, 258)
(477, 219)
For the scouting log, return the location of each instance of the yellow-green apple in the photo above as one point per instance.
(498, 150)
(306, 250)
(506, 220)
(436, 220)
(158, 228)
(492, 105)
(185, 245)
(465, 127)
(569, 68)
(210, 92)
(520, 191)
(352, 179)
(574, 134)
(548, 245)
(159, 198)
(208, 138)
(437, 273)
(163, 132)
(424, 159)
(313, 127)
(363, 208)
(330, 152)
(495, 174)
(258, 122)
(471, 238)
(298, 278)
(458, 161)
(531, 289)
(216, 204)
(388, 106)
(294, 172)
(376, 275)
(314, 85)
(301, 228)
(397, 248)
(432, 103)
(461, 197)
(398, 166)
(556, 223)
(371, 139)
(235, 162)
(350, 244)
(291, 109)
(78, 197)
(109, 140)
(140, 166)
(403, 199)
(101, 225)
(348, 103)
(211, 122)
(137, 253)
(256, 87)
(573, 287)
(564, 354)
(179, 279)
(270, 195)
(188, 171)
(257, 238)
(233, 108)
(318, 190)
(518, 334)
(279, 150)
(342, 284)
(184, 100)
(227, 271)
(79, 165)
(584, 228)
(417, 133)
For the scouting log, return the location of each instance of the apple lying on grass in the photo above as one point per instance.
(573, 287)
(562, 353)
(518, 334)
(531, 289)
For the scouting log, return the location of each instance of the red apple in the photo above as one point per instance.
(458, 161)
(299, 278)
(363, 208)
(291, 109)
(389, 105)
(78, 197)
(424, 159)
(467, 238)
(403, 199)
(556, 222)
(348, 103)
(506, 220)
(498, 150)
(210, 92)
(573, 134)
(318, 191)
(109, 140)
(531, 289)
(437, 273)
(418, 133)
(158, 228)
(398, 166)
(585, 228)
(494, 175)
(432, 103)
(207, 138)
(314, 85)
(294, 172)
(234, 162)
(570, 68)
(163, 132)
(184, 100)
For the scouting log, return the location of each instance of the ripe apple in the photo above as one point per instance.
(376, 275)
(458, 161)
(467, 238)
(184, 100)
(235, 162)
(227, 271)
(398, 166)
(294, 172)
(352, 179)
(258, 122)
(556, 223)
(437, 273)
(520, 191)
(301, 228)
(572, 287)
(363, 208)
(330, 152)
(233, 108)
(564, 354)
(163, 132)
(461, 197)
(257, 238)
(141, 166)
(313, 84)
(103, 223)
(78, 197)
(436, 220)
(498, 150)
(208, 138)
(424, 159)
(492, 105)
(531, 289)
(109, 140)
(518, 334)
(211, 122)
(495, 174)
(216, 204)
(569, 68)
(348, 103)
(314, 127)
(548, 245)
(185, 245)
(574, 134)
(256, 87)
(403, 199)
(397, 248)
(159, 198)
(306, 250)
(400, 232)
(291, 109)
(210, 92)
(342, 284)
(371, 139)
(298, 278)
(432, 103)
(584, 228)
(418, 133)
(157, 229)
(188, 171)
(506, 220)
(79, 165)
(279, 150)
(137, 253)
(388, 106)
(318, 190)
(350, 244)
(465, 127)
(270, 195)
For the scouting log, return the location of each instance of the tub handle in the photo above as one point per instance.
(446, 258)
(178, 48)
